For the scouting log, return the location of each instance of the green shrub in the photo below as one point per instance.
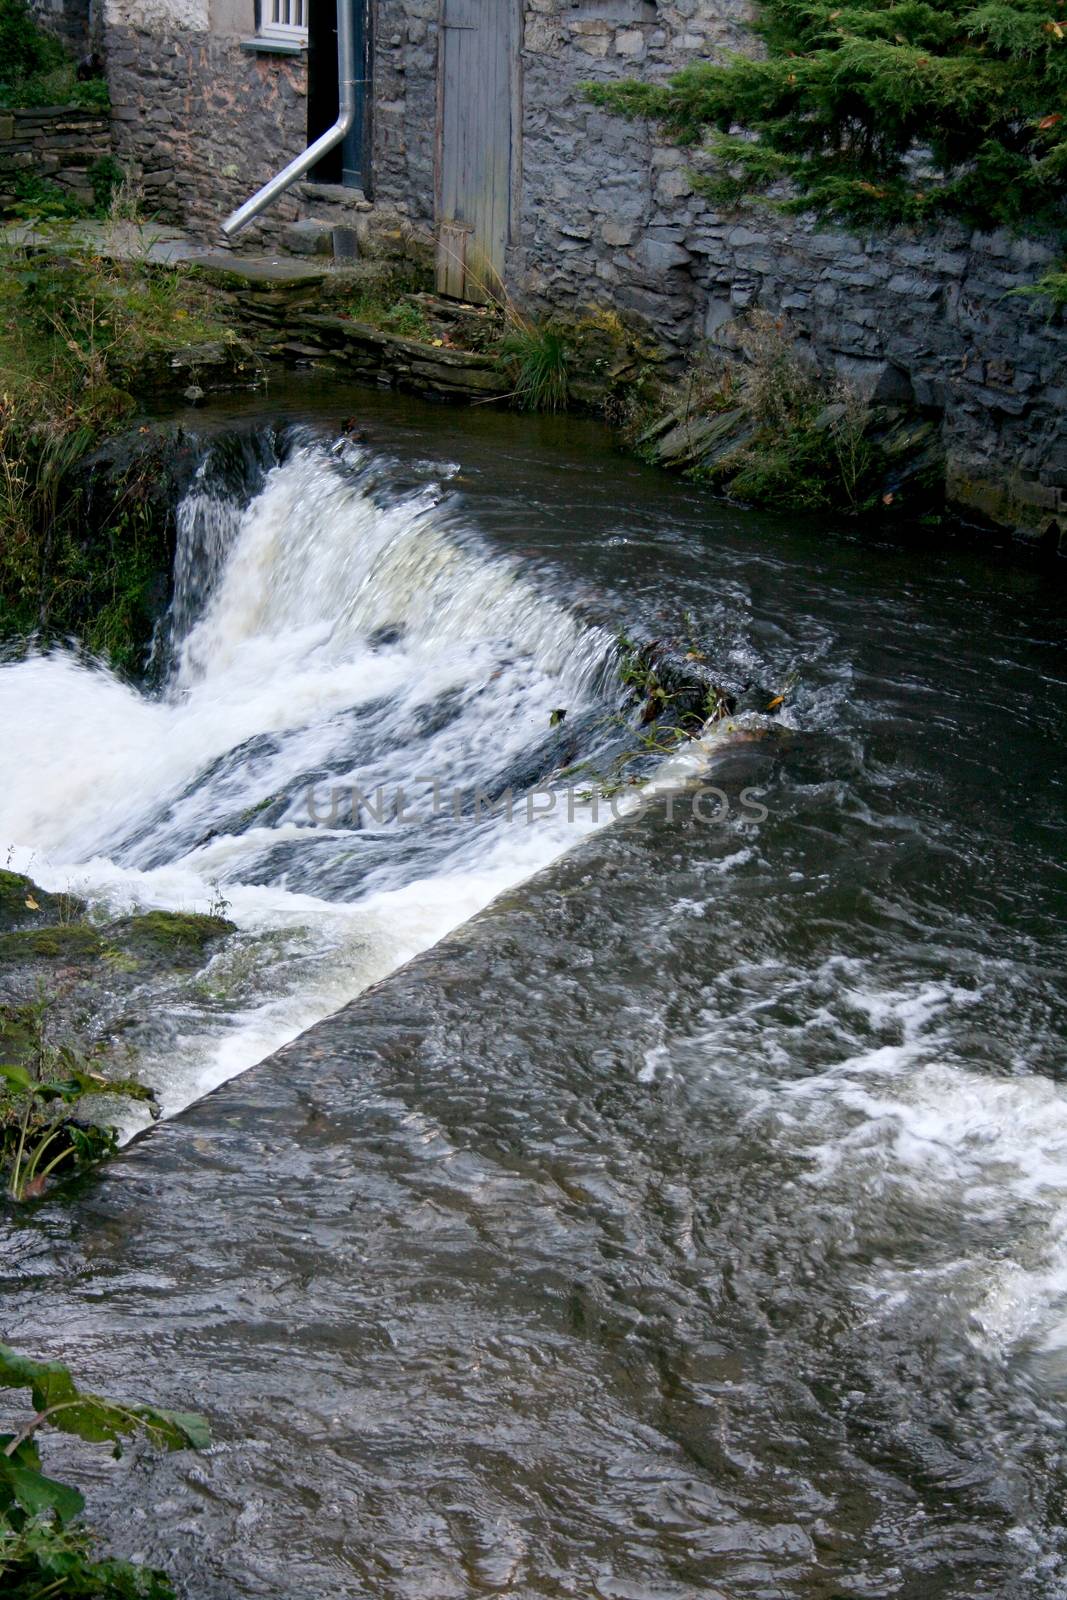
(25, 49)
(1053, 287)
(39, 199)
(35, 69)
(106, 177)
(882, 111)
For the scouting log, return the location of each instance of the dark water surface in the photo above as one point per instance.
(692, 1222)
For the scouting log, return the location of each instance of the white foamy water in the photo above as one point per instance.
(348, 638)
(901, 1134)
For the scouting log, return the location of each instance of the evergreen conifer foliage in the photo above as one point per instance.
(882, 111)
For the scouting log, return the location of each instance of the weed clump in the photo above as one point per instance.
(773, 431)
(538, 357)
(810, 449)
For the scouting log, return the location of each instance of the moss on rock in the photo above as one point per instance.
(64, 941)
(181, 938)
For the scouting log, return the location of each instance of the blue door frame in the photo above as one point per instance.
(355, 150)
(351, 163)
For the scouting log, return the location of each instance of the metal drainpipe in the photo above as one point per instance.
(346, 84)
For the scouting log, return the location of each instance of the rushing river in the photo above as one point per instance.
(692, 1221)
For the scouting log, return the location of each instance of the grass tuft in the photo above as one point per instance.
(538, 357)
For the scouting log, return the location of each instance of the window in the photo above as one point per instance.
(284, 20)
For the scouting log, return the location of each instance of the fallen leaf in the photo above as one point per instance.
(777, 701)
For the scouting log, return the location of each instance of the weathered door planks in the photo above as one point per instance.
(477, 135)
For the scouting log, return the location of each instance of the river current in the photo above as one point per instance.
(676, 1207)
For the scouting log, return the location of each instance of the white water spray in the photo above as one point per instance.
(350, 638)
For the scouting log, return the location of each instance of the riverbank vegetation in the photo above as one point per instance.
(766, 428)
(1052, 287)
(881, 112)
(79, 335)
(536, 355)
(71, 981)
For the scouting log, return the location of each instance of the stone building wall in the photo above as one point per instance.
(199, 120)
(607, 218)
(57, 144)
(606, 215)
(405, 107)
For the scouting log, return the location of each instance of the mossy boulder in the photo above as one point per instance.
(23, 904)
(169, 938)
(69, 942)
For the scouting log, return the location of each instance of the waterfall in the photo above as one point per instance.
(332, 636)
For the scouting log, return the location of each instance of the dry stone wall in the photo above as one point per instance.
(57, 143)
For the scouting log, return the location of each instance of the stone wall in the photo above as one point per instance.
(405, 107)
(930, 320)
(609, 218)
(58, 143)
(67, 19)
(199, 120)
(606, 215)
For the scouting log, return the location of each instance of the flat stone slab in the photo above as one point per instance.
(163, 246)
(259, 269)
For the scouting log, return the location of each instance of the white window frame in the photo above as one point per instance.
(284, 20)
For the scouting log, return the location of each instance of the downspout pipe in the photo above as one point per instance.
(346, 116)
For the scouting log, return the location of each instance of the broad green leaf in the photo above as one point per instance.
(18, 1078)
(38, 1495)
(95, 1420)
(89, 1416)
(25, 1455)
(181, 1430)
(49, 1381)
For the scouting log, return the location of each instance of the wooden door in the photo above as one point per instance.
(477, 138)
